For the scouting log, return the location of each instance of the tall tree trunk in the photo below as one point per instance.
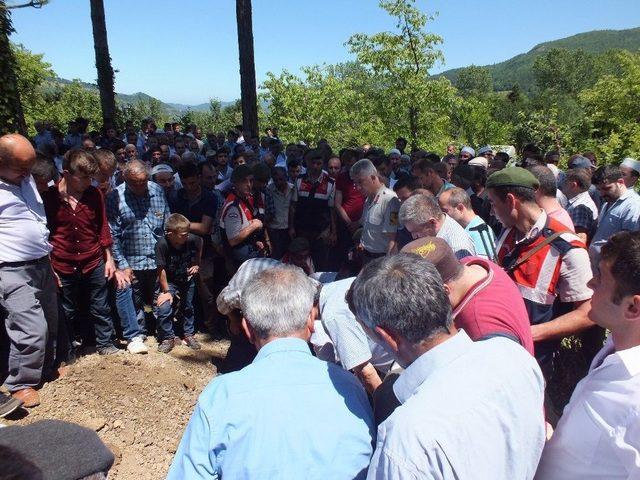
(11, 114)
(248, 91)
(103, 62)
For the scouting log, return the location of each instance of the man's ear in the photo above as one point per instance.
(248, 331)
(632, 312)
(389, 337)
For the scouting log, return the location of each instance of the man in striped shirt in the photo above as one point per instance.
(422, 217)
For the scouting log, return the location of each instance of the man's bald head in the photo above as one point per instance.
(17, 157)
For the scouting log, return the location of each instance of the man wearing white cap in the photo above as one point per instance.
(479, 162)
(630, 169)
(486, 152)
(466, 154)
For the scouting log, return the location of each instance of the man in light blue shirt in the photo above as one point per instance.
(288, 414)
(469, 410)
(456, 203)
(620, 212)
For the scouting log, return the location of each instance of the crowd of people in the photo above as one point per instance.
(391, 314)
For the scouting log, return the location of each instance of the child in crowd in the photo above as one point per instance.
(105, 180)
(178, 256)
(44, 174)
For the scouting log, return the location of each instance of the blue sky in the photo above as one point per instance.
(186, 51)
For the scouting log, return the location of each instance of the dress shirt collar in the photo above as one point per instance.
(629, 358)
(430, 362)
(578, 198)
(280, 345)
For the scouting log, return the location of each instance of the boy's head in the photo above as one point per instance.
(79, 167)
(177, 229)
(107, 165)
(43, 172)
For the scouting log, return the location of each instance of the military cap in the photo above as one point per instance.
(513, 177)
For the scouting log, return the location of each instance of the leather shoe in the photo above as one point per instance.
(28, 396)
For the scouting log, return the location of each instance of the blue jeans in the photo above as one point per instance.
(166, 311)
(131, 328)
(95, 286)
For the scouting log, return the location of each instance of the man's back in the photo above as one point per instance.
(287, 415)
(470, 410)
(459, 240)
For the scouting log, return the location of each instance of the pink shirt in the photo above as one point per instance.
(561, 215)
(494, 305)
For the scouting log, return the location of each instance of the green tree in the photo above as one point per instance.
(474, 80)
(11, 112)
(401, 60)
(611, 110)
(564, 71)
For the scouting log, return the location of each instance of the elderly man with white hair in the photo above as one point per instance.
(422, 217)
(380, 214)
(288, 414)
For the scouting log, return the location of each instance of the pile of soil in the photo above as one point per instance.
(138, 404)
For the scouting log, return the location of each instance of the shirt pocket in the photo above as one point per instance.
(586, 432)
(155, 222)
(375, 216)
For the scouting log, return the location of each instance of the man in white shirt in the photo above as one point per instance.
(27, 287)
(468, 409)
(422, 217)
(598, 435)
(380, 213)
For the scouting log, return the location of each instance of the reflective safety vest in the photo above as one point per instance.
(534, 265)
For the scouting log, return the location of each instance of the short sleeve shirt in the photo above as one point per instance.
(175, 261)
(493, 306)
(379, 218)
(233, 219)
(352, 199)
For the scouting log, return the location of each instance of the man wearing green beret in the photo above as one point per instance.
(242, 230)
(549, 264)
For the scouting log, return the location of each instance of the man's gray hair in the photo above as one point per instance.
(457, 196)
(403, 293)
(189, 156)
(363, 168)
(277, 301)
(136, 167)
(419, 209)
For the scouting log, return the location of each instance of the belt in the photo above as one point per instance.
(25, 263)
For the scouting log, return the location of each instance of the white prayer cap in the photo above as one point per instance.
(479, 162)
(394, 151)
(631, 163)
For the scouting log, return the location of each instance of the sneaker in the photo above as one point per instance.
(8, 404)
(166, 346)
(136, 345)
(108, 350)
(191, 342)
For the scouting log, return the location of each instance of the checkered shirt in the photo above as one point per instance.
(136, 223)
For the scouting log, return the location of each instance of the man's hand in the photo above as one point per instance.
(109, 269)
(123, 278)
(57, 278)
(256, 224)
(164, 297)
(193, 270)
(260, 246)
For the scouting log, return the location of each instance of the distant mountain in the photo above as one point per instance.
(139, 96)
(519, 68)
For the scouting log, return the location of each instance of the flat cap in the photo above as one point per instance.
(438, 252)
(513, 177)
(240, 173)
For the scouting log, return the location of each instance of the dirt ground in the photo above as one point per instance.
(138, 404)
